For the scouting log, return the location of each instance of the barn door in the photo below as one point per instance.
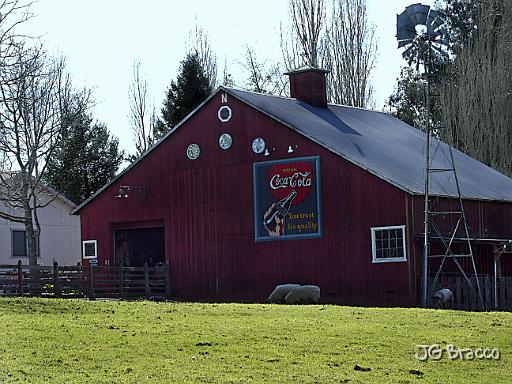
(136, 246)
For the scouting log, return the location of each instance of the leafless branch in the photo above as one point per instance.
(199, 42)
(262, 77)
(142, 124)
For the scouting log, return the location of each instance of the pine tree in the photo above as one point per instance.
(409, 98)
(87, 159)
(190, 89)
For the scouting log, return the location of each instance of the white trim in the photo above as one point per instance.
(95, 242)
(224, 119)
(390, 259)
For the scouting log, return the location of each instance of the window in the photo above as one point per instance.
(20, 244)
(89, 249)
(388, 244)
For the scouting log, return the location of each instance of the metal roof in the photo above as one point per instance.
(384, 146)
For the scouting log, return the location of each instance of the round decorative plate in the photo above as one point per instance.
(225, 141)
(258, 145)
(193, 151)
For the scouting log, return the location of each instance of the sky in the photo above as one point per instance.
(102, 39)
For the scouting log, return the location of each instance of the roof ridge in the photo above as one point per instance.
(239, 89)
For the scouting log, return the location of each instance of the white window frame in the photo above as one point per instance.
(95, 242)
(389, 259)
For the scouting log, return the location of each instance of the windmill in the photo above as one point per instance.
(421, 31)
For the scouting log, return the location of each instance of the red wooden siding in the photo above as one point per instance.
(486, 219)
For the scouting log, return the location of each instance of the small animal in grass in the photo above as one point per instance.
(442, 298)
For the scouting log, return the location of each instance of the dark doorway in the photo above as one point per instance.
(134, 247)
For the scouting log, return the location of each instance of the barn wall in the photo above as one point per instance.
(485, 219)
(206, 207)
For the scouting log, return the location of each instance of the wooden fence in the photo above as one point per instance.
(138, 282)
(79, 281)
(465, 297)
(128, 282)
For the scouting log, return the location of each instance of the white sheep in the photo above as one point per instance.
(279, 293)
(306, 294)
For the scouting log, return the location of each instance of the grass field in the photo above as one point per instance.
(79, 341)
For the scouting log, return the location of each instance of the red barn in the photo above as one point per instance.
(251, 190)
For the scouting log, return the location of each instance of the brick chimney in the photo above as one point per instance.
(308, 84)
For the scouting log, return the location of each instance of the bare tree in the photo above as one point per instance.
(338, 38)
(350, 50)
(262, 77)
(34, 93)
(227, 79)
(142, 119)
(303, 44)
(199, 42)
(12, 14)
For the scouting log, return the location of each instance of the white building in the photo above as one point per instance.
(59, 240)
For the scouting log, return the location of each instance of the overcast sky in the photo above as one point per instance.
(102, 38)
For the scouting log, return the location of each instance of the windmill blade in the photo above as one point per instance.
(433, 33)
(444, 42)
(440, 50)
(443, 31)
(407, 53)
(403, 43)
(417, 13)
(432, 14)
(436, 22)
(433, 23)
(405, 28)
(405, 34)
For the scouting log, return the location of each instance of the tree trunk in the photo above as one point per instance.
(31, 238)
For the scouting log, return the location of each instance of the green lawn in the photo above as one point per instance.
(79, 341)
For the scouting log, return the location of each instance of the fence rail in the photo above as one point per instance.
(80, 281)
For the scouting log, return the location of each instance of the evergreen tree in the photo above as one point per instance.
(460, 17)
(409, 98)
(87, 159)
(190, 89)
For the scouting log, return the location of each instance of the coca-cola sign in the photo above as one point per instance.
(285, 177)
(287, 199)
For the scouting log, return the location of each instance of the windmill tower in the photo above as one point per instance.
(421, 32)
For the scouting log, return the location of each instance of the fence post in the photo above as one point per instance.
(146, 280)
(121, 281)
(91, 283)
(56, 286)
(487, 293)
(167, 281)
(20, 278)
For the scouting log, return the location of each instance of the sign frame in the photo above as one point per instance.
(257, 211)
